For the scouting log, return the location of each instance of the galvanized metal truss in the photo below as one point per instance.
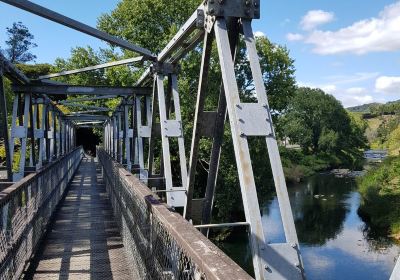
(39, 133)
(271, 261)
(142, 122)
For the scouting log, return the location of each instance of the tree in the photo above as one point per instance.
(309, 122)
(19, 43)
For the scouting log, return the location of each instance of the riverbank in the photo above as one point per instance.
(380, 191)
(298, 165)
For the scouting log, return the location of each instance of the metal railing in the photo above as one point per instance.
(160, 243)
(26, 208)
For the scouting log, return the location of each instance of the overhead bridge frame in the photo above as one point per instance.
(82, 90)
(149, 113)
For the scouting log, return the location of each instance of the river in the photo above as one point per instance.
(335, 242)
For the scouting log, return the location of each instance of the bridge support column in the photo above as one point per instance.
(120, 137)
(4, 126)
(39, 129)
(143, 131)
(20, 132)
(271, 261)
(170, 128)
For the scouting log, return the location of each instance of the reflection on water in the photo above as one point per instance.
(335, 242)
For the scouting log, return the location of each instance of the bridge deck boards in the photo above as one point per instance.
(84, 241)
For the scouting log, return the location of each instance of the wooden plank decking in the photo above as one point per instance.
(84, 241)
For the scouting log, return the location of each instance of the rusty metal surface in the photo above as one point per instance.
(84, 241)
(25, 210)
(161, 242)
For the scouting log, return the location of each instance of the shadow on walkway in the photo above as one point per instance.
(84, 240)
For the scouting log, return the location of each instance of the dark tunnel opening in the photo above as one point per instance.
(86, 138)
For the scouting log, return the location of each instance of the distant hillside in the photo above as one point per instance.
(365, 108)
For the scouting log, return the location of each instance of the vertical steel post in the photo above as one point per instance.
(120, 137)
(171, 128)
(201, 96)
(20, 132)
(31, 130)
(242, 153)
(127, 138)
(52, 134)
(141, 134)
(4, 126)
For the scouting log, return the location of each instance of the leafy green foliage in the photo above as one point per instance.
(19, 43)
(33, 71)
(309, 123)
(380, 190)
(149, 23)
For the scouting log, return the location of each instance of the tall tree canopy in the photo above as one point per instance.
(319, 123)
(19, 42)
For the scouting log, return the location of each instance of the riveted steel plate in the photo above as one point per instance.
(253, 119)
(130, 133)
(282, 261)
(172, 128)
(18, 132)
(39, 133)
(144, 131)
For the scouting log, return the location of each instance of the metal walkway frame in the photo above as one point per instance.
(152, 98)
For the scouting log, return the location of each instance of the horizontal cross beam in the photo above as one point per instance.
(86, 90)
(71, 23)
(90, 123)
(91, 107)
(86, 118)
(69, 101)
(88, 112)
(12, 72)
(91, 68)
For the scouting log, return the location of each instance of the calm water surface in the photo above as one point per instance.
(335, 242)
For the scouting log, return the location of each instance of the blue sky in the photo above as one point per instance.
(348, 48)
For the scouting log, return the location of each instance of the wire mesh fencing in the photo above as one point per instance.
(25, 211)
(159, 242)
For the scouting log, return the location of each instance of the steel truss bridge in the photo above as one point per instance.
(64, 214)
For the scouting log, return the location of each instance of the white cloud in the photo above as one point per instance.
(387, 84)
(331, 89)
(350, 101)
(294, 37)
(376, 34)
(259, 34)
(356, 90)
(351, 79)
(315, 18)
(349, 97)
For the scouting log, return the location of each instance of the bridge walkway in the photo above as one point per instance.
(83, 241)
